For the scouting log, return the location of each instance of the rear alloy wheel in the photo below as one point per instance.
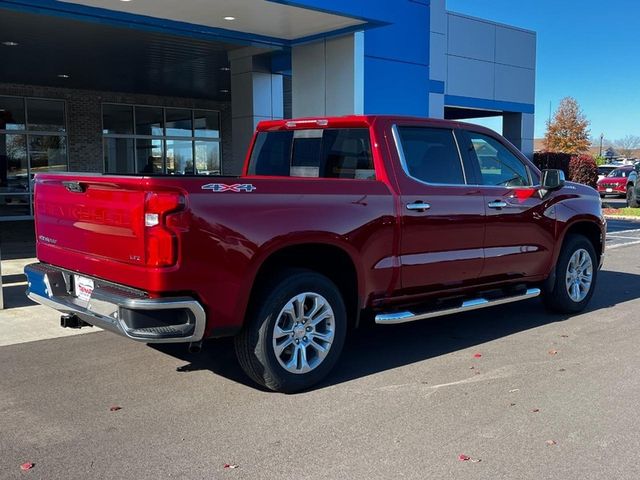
(632, 199)
(575, 276)
(294, 334)
(303, 333)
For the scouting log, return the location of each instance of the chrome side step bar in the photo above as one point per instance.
(475, 304)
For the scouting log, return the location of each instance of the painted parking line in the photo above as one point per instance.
(618, 245)
(633, 230)
(623, 238)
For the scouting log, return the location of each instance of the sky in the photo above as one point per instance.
(587, 49)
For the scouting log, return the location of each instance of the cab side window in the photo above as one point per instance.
(431, 155)
(498, 166)
(316, 153)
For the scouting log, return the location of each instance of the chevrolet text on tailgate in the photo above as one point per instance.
(332, 222)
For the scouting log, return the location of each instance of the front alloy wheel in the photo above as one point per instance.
(579, 275)
(571, 287)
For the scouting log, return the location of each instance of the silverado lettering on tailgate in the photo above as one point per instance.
(99, 215)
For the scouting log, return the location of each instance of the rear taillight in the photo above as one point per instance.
(161, 243)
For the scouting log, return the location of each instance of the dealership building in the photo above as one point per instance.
(168, 87)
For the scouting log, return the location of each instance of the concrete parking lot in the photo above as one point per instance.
(548, 397)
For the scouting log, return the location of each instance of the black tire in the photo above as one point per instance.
(555, 294)
(632, 199)
(254, 345)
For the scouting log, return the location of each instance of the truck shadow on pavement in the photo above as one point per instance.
(373, 348)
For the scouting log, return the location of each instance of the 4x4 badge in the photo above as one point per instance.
(223, 187)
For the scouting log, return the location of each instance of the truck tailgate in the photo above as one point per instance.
(92, 215)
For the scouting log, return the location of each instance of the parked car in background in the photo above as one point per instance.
(615, 183)
(604, 170)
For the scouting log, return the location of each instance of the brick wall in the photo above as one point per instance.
(84, 119)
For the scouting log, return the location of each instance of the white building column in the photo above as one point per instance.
(518, 128)
(256, 95)
(328, 77)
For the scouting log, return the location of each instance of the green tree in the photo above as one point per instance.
(600, 160)
(568, 132)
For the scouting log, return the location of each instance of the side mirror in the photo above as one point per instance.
(552, 179)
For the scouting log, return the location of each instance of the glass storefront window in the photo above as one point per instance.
(150, 154)
(172, 141)
(12, 113)
(117, 119)
(45, 115)
(14, 173)
(207, 123)
(119, 155)
(179, 122)
(208, 158)
(149, 121)
(40, 147)
(179, 157)
(47, 153)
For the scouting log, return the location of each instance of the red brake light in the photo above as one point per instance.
(160, 241)
(163, 202)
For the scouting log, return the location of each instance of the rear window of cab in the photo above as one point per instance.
(314, 153)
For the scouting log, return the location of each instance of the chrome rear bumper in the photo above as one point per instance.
(117, 308)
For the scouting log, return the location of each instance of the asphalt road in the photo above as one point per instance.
(551, 397)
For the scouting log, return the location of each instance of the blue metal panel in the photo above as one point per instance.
(436, 86)
(281, 62)
(395, 87)
(397, 61)
(402, 31)
(406, 38)
(482, 103)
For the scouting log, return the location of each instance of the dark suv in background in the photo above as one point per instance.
(632, 186)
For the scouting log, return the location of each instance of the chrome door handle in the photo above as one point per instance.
(418, 206)
(497, 204)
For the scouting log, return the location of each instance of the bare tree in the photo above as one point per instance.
(627, 145)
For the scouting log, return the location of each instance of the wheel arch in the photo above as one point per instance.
(589, 229)
(330, 260)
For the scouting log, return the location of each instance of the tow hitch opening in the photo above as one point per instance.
(72, 321)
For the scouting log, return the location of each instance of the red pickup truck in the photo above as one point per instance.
(332, 221)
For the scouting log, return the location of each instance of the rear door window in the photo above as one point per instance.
(346, 153)
(431, 155)
(320, 153)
